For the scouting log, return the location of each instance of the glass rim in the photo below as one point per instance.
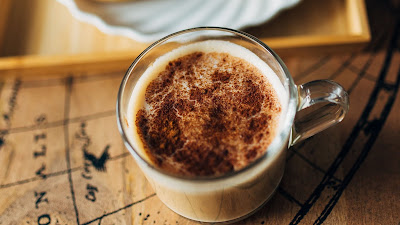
(284, 131)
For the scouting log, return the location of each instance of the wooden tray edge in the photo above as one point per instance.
(39, 65)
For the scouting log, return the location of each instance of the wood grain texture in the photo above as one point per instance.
(348, 174)
(5, 6)
(47, 28)
(352, 167)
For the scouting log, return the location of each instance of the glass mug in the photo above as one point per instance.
(238, 194)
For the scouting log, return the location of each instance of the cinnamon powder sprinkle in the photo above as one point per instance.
(208, 114)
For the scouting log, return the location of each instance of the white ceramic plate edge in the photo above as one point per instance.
(128, 32)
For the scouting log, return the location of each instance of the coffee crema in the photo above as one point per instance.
(206, 112)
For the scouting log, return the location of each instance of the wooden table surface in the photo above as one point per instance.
(349, 174)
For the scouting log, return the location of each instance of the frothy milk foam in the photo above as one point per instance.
(137, 98)
(208, 202)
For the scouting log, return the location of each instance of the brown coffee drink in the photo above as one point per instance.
(206, 110)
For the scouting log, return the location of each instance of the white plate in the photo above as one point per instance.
(150, 20)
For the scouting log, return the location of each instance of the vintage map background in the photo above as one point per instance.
(62, 160)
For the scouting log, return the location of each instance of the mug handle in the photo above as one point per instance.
(333, 105)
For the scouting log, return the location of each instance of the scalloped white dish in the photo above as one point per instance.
(150, 20)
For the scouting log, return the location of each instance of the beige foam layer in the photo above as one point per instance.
(137, 98)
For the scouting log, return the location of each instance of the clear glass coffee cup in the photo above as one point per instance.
(237, 194)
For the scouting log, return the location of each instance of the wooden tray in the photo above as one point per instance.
(46, 28)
